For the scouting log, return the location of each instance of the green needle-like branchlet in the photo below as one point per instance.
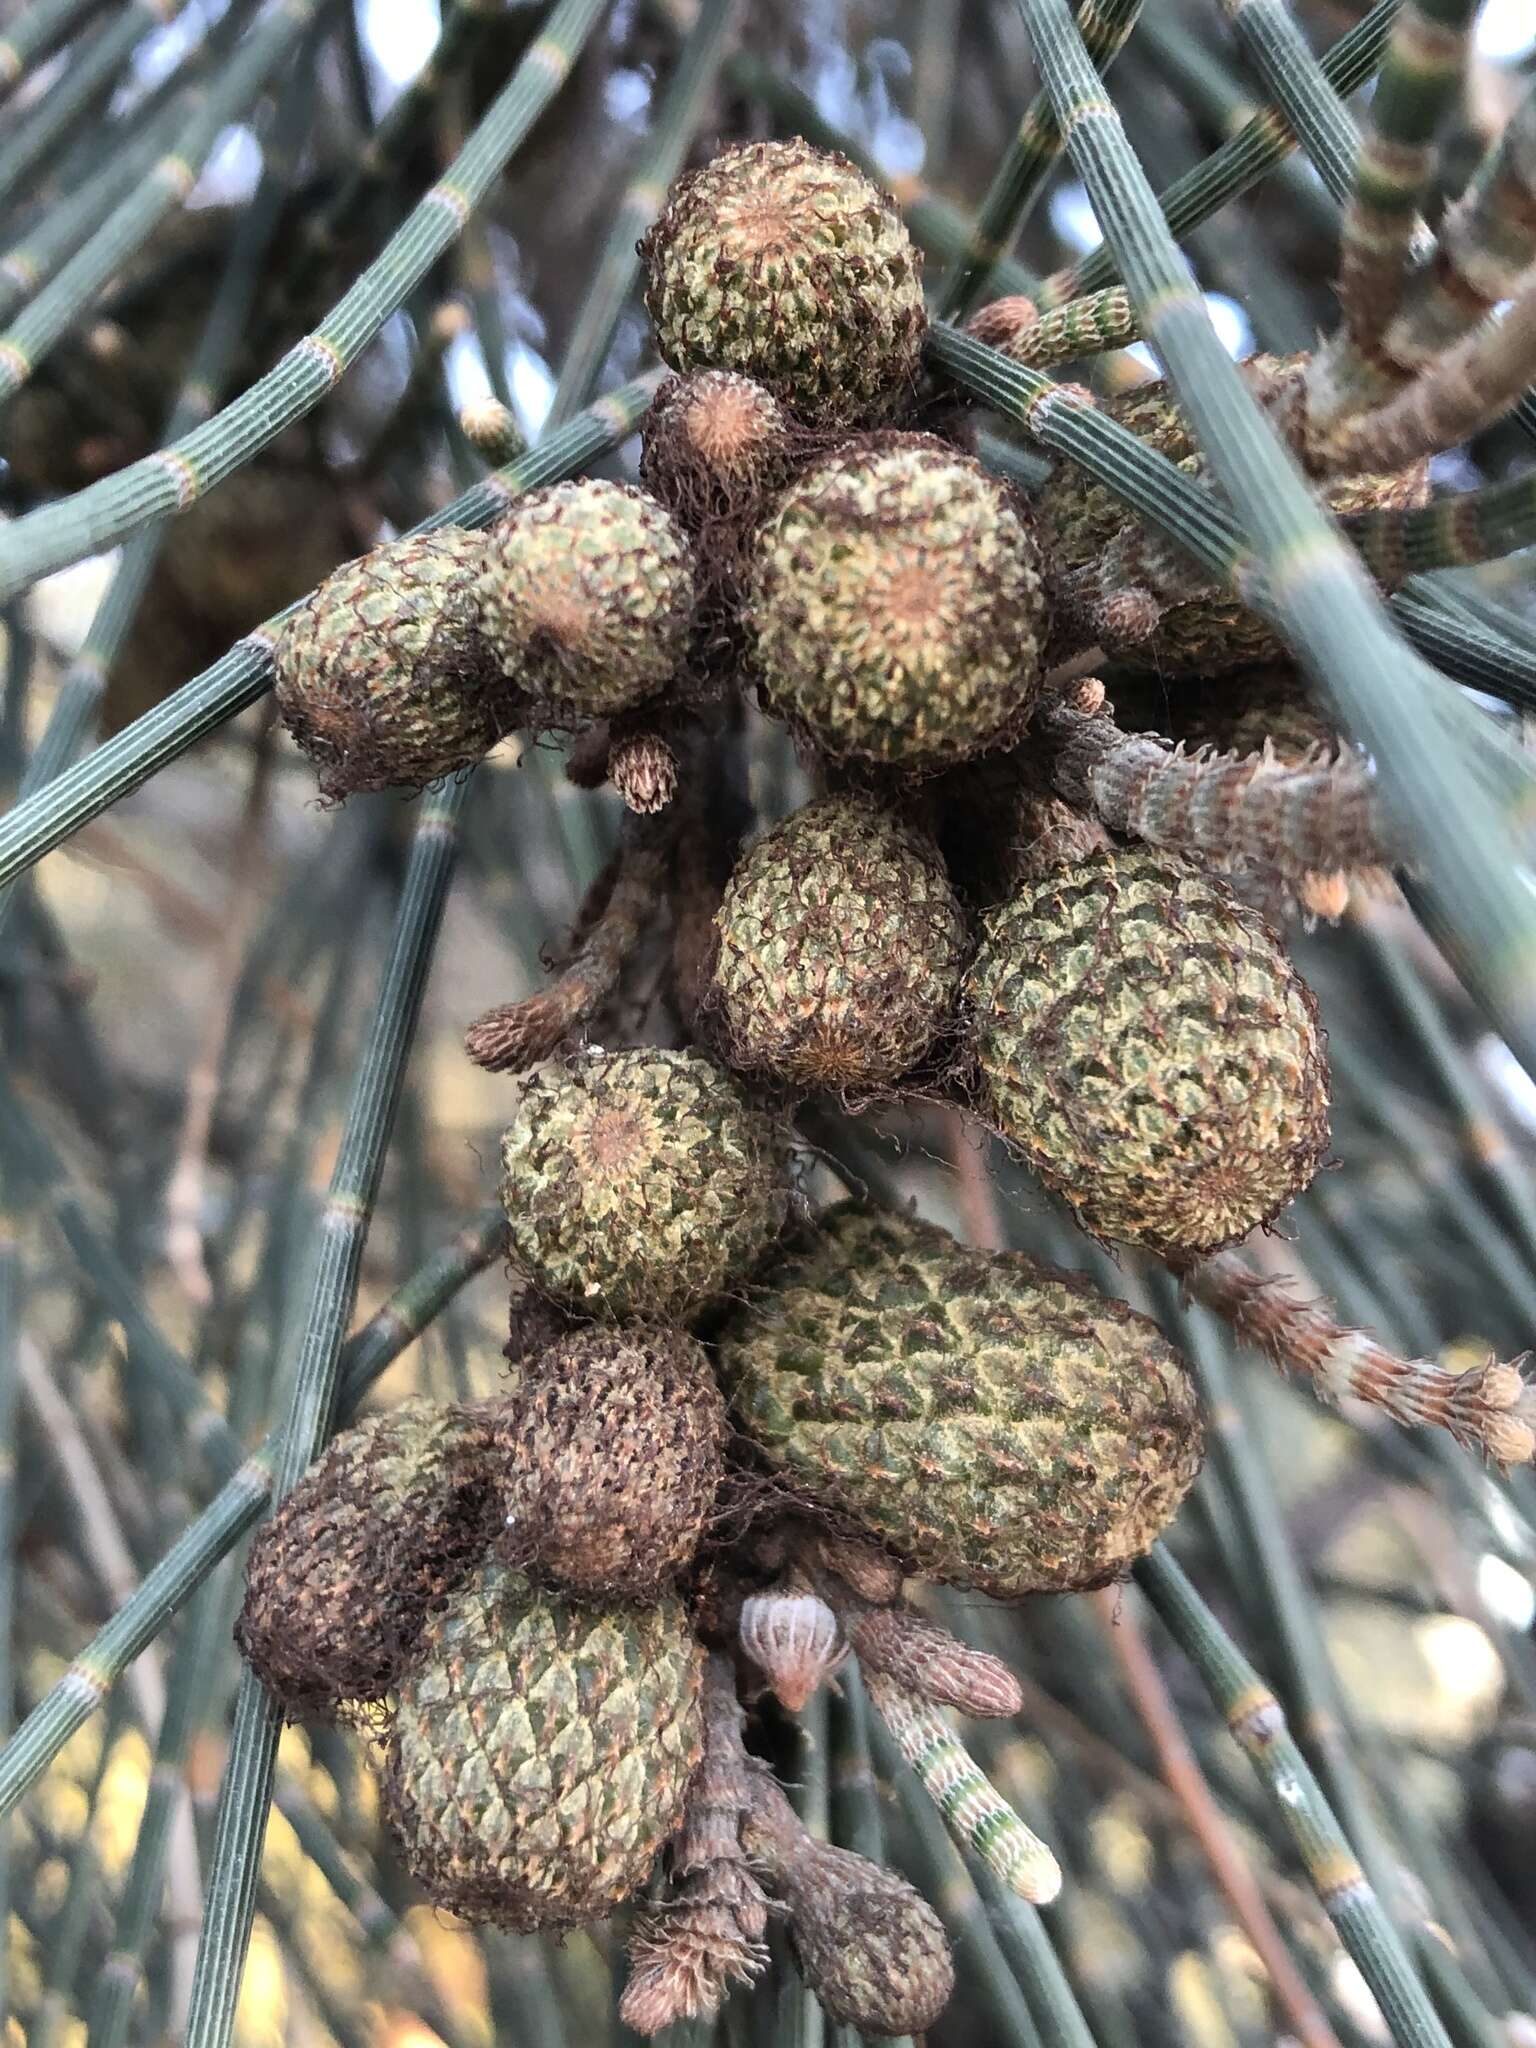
(1027, 163)
(1330, 616)
(239, 1502)
(36, 32)
(1300, 89)
(201, 706)
(184, 470)
(1240, 163)
(1254, 1716)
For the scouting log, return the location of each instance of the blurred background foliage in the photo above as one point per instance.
(185, 990)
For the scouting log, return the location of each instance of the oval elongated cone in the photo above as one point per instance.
(992, 1420)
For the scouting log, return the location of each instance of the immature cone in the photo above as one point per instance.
(608, 1457)
(639, 1183)
(993, 1421)
(586, 597)
(841, 948)
(1147, 1046)
(1212, 633)
(541, 1751)
(342, 1578)
(786, 263)
(895, 604)
(792, 1636)
(643, 770)
(874, 1952)
(382, 674)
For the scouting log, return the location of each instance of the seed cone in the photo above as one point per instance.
(382, 674)
(541, 1751)
(639, 1183)
(342, 1578)
(994, 1421)
(895, 604)
(841, 948)
(1146, 1044)
(1213, 633)
(609, 1455)
(784, 262)
(874, 1952)
(586, 595)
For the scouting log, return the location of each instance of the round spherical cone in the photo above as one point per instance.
(382, 674)
(787, 264)
(586, 596)
(712, 444)
(1210, 634)
(895, 604)
(640, 1183)
(841, 948)
(342, 1578)
(608, 1455)
(993, 1421)
(541, 1750)
(1146, 1044)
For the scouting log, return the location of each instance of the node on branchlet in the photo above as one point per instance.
(383, 676)
(540, 1751)
(585, 596)
(871, 1948)
(608, 1456)
(343, 1577)
(786, 264)
(1146, 1044)
(841, 945)
(895, 605)
(1083, 522)
(991, 1421)
(640, 1183)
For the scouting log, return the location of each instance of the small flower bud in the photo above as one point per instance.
(643, 769)
(793, 1636)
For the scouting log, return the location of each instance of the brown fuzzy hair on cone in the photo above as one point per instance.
(1145, 1043)
(383, 676)
(608, 1456)
(371, 1541)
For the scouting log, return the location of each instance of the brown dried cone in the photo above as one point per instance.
(1147, 1046)
(372, 1540)
(382, 674)
(841, 945)
(787, 264)
(872, 1950)
(707, 1933)
(712, 447)
(792, 1636)
(540, 1751)
(1084, 526)
(586, 596)
(926, 1659)
(608, 1456)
